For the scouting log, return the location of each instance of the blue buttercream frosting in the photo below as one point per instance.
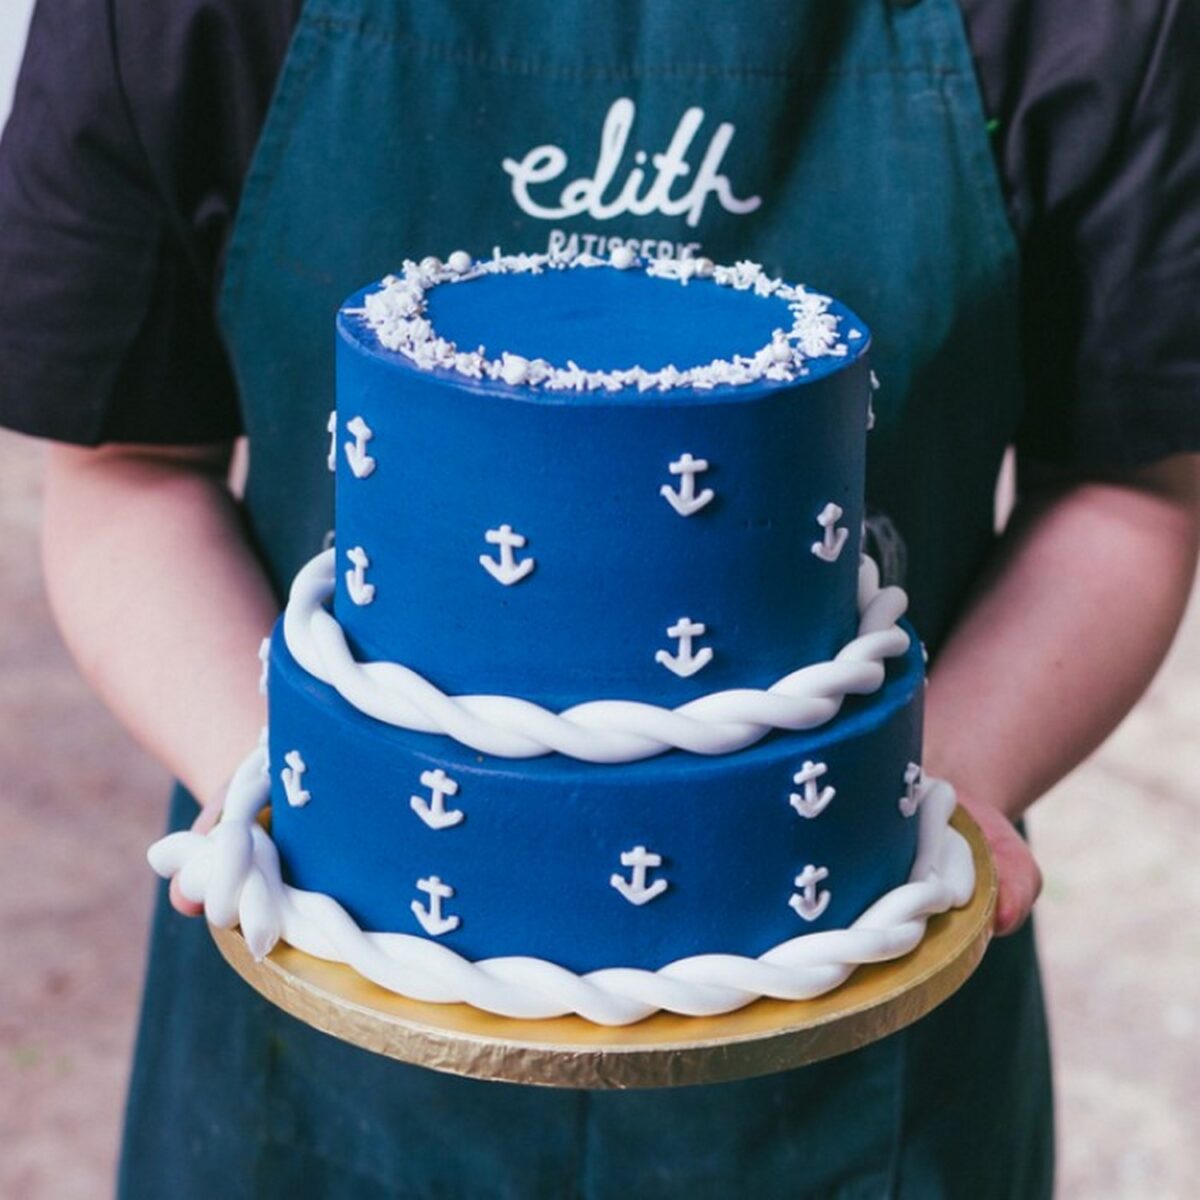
(611, 574)
(532, 859)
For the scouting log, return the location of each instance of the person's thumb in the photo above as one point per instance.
(1019, 875)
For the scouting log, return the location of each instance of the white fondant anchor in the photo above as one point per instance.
(685, 501)
(809, 904)
(684, 663)
(507, 570)
(297, 797)
(814, 800)
(361, 463)
(434, 812)
(830, 546)
(264, 657)
(331, 429)
(635, 889)
(911, 800)
(432, 919)
(361, 592)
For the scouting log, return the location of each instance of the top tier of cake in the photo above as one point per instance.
(568, 481)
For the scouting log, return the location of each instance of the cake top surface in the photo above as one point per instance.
(588, 325)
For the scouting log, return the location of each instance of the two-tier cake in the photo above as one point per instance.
(595, 704)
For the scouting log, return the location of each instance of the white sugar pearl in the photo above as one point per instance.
(704, 267)
(459, 262)
(781, 352)
(514, 369)
(431, 265)
(622, 258)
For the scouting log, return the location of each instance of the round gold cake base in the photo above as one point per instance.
(664, 1050)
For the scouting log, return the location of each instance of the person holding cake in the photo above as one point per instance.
(1002, 195)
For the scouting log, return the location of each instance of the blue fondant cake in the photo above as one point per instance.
(578, 475)
(532, 855)
(595, 685)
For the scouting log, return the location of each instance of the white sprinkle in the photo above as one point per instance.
(459, 262)
(514, 369)
(622, 258)
(704, 268)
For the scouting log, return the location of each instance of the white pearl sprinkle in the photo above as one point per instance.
(622, 258)
(704, 267)
(781, 352)
(459, 262)
(514, 369)
(431, 265)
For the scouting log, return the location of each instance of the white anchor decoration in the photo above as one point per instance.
(684, 662)
(828, 549)
(297, 797)
(815, 800)
(434, 812)
(331, 429)
(264, 657)
(911, 800)
(507, 570)
(361, 463)
(685, 501)
(634, 889)
(433, 921)
(361, 592)
(809, 904)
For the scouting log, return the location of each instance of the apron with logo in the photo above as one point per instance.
(843, 145)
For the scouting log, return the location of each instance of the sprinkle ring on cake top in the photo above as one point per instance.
(399, 314)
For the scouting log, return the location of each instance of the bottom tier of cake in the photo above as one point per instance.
(545, 886)
(595, 865)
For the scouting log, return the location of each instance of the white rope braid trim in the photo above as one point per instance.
(234, 872)
(600, 731)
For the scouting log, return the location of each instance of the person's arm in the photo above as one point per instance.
(1062, 637)
(161, 601)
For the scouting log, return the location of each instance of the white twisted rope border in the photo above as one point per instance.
(234, 872)
(600, 731)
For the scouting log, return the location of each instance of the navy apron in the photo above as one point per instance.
(840, 144)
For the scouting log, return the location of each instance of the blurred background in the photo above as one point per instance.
(1119, 842)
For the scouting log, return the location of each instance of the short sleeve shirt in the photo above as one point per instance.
(135, 121)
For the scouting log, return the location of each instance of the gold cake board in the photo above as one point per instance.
(664, 1050)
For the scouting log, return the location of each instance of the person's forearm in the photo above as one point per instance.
(160, 600)
(1064, 634)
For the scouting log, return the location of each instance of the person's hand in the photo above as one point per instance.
(1019, 875)
(209, 814)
